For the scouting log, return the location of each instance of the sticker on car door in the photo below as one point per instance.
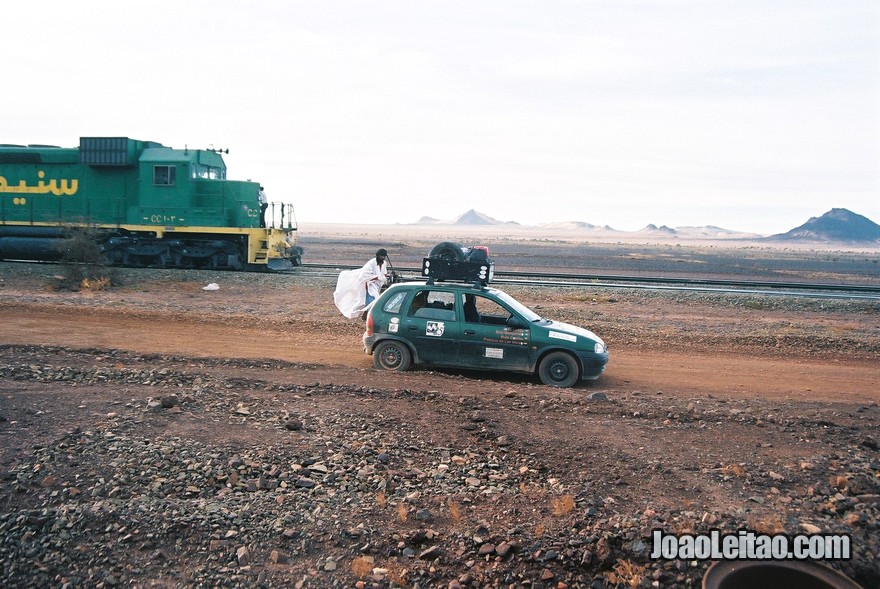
(497, 353)
(435, 328)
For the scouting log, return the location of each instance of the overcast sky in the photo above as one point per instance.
(751, 115)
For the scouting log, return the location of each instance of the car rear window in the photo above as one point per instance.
(394, 303)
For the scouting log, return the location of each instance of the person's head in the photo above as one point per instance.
(381, 255)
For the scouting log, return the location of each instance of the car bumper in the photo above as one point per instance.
(592, 365)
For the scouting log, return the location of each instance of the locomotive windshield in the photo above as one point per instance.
(208, 172)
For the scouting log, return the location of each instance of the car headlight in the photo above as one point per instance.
(599, 348)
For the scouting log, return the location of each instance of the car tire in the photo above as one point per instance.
(558, 369)
(392, 355)
(448, 250)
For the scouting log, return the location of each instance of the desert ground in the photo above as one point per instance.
(156, 434)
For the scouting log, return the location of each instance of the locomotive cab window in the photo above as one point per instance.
(208, 172)
(164, 175)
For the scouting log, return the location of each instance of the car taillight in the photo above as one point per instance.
(370, 324)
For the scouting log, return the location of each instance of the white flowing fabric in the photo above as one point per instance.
(350, 294)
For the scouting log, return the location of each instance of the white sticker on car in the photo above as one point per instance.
(435, 328)
(392, 327)
(566, 336)
(495, 353)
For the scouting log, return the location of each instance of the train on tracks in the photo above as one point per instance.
(145, 203)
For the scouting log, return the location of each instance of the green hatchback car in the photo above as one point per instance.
(463, 326)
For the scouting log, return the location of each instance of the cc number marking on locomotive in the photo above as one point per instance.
(165, 219)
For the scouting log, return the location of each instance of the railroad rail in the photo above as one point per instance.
(573, 280)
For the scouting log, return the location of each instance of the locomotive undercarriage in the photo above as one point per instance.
(143, 251)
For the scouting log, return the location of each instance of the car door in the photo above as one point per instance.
(486, 338)
(431, 324)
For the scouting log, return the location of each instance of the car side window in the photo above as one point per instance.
(433, 304)
(480, 309)
(395, 303)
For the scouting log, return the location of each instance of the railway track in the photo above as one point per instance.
(573, 280)
(867, 292)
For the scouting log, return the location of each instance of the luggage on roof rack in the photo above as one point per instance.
(453, 262)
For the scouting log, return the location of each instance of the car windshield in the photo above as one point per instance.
(518, 307)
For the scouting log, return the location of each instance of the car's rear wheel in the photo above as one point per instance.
(448, 250)
(392, 355)
(558, 369)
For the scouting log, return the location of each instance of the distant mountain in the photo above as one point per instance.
(471, 217)
(836, 225)
(572, 225)
(654, 230)
(713, 231)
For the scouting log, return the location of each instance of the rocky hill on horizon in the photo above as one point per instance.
(837, 225)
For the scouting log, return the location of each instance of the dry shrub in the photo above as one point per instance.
(765, 525)
(735, 470)
(397, 575)
(539, 530)
(563, 505)
(626, 574)
(844, 328)
(85, 267)
(362, 566)
(454, 510)
(402, 513)
(380, 499)
(589, 297)
(95, 284)
(684, 526)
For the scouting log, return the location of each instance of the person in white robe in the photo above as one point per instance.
(357, 289)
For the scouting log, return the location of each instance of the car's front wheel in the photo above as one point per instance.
(392, 355)
(558, 369)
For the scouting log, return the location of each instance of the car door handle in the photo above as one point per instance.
(469, 332)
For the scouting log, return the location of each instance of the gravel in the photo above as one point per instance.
(276, 485)
(124, 470)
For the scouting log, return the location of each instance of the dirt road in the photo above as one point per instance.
(675, 371)
(176, 437)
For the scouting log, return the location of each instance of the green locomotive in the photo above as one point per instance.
(150, 205)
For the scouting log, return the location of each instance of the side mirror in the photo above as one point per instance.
(515, 322)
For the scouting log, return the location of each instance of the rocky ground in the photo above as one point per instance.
(157, 435)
